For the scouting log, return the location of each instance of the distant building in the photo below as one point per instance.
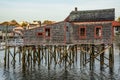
(3, 29)
(18, 31)
(34, 24)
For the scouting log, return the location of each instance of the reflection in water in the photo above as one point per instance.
(41, 73)
(59, 72)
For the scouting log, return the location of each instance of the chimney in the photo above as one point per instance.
(75, 8)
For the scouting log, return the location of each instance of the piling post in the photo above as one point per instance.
(102, 47)
(14, 56)
(5, 57)
(92, 58)
(8, 56)
(65, 56)
(85, 56)
(55, 55)
(81, 58)
(45, 50)
(48, 58)
(70, 53)
(60, 49)
(76, 52)
(111, 59)
(34, 56)
(28, 57)
(39, 55)
(73, 54)
(42, 53)
(23, 58)
(20, 50)
(31, 57)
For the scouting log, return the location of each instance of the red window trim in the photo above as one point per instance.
(48, 37)
(95, 32)
(82, 37)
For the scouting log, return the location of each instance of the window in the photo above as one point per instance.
(82, 32)
(39, 34)
(47, 32)
(67, 28)
(116, 28)
(98, 32)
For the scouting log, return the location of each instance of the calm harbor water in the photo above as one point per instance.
(59, 72)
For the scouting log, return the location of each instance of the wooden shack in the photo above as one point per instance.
(54, 34)
(80, 27)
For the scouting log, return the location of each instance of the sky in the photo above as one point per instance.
(55, 10)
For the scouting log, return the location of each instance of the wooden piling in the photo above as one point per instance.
(5, 57)
(45, 51)
(65, 56)
(31, 57)
(85, 56)
(73, 54)
(76, 53)
(38, 55)
(102, 47)
(111, 59)
(20, 51)
(23, 58)
(8, 57)
(42, 53)
(81, 57)
(92, 58)
(14, 56)
(34, 56)
(70, 53)
(48, 58)
(28, 57)
(55, 61)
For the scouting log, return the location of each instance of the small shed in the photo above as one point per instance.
(49, 34)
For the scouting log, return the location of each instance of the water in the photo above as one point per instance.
(59, 73)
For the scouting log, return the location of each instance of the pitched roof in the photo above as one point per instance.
(92, 15)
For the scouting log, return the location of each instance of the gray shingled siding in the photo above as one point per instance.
(28, 36)
(57, 33)
(106, 33)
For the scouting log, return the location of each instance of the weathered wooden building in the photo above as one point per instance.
(80, 27)
(89, 33)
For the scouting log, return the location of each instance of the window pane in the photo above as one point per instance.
(40, 34)
(47, 32)
(82, 31)
(98, 32)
